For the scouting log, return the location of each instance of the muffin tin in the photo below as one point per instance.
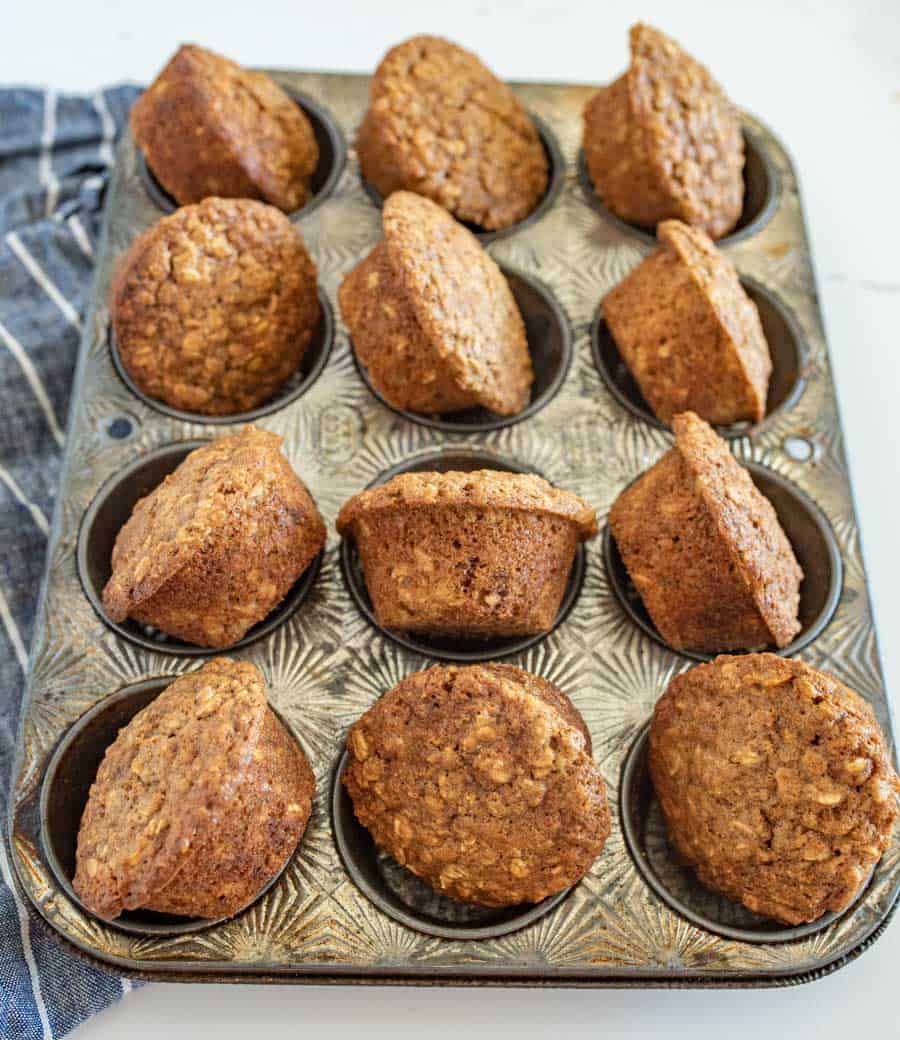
(340, 910)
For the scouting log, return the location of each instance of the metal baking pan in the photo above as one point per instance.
(341, 911)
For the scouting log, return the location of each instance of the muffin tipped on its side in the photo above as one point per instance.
(480, 781)
(775, 782)
(472, 555)
(215, 547)
(705, 550)
(664, 141)
(432, 318)
(442, 125)
(198, 803)
(209, 127)
(688, 332)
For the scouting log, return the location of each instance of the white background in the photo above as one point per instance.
(826, 77)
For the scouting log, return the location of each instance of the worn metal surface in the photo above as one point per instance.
(328, 664)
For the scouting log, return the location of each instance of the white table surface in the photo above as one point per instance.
(826, 77)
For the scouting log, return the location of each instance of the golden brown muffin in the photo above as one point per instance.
(198, 802)
(214, 548)
(477, 781)
(688, 332)
(213, 308)
(442, 125)
(705, 550)
(478, 554)
(664, 141)
(775, 782)
(209, 127)
(432, 317)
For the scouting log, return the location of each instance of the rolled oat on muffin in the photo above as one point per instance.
(474, 555)
(441, 124)
(663, 141)
(775, 782)
(207, 126)
(214, 307)
(217, 545)
(688, 332)
(480, 781)
(432, 318)
(704, 548)
(197, 804)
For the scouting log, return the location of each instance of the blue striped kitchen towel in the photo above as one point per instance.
(56, 153)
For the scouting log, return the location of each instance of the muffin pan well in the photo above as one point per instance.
(789, 361)
(549, 344)
(104, 519)
(341, 911)
(814, 545)
(556, 169)
(762, 194)
(444, 648)
(332, 159)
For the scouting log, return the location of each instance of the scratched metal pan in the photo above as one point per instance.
(340, 910)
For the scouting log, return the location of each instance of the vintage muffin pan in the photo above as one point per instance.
(341, 909)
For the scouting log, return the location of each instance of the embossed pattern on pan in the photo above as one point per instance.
(326, 664)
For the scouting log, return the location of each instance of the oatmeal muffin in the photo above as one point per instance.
(198, 802)
(442, 125)
(209, 127)
(480, 781)
(478, 554)
(775, 782)
(432, 317)
(705, 550)
(214, 307)
(213, 549)
(664, 141)
(688, 332)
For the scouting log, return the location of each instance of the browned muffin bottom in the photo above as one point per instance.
(214, 548)
(478, 782)
(209, 127)
(705, 550)
(198, 802)
(214, 307)
(441, 124)
(432, 317)
(775, 782)
(688, 332)
(664, 141)
(473, 555)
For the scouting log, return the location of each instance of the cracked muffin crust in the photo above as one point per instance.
(198, 802)
(209, 127)
(688, 332)
(472, 555)
(480, 781)
(442, 125)
(775, 782)
(705, 550)
(215, 547)
(432, 317)
(214, 307)
(664, 141)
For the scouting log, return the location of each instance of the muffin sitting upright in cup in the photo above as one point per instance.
(442, 125)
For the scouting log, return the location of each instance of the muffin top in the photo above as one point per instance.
(210, 127)
(165, 781)
(692, 130)
(747, 523)
(441, 124)
(461, 301)
(475, 781)
(217, 493)
(479, 489)
(775, 781)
